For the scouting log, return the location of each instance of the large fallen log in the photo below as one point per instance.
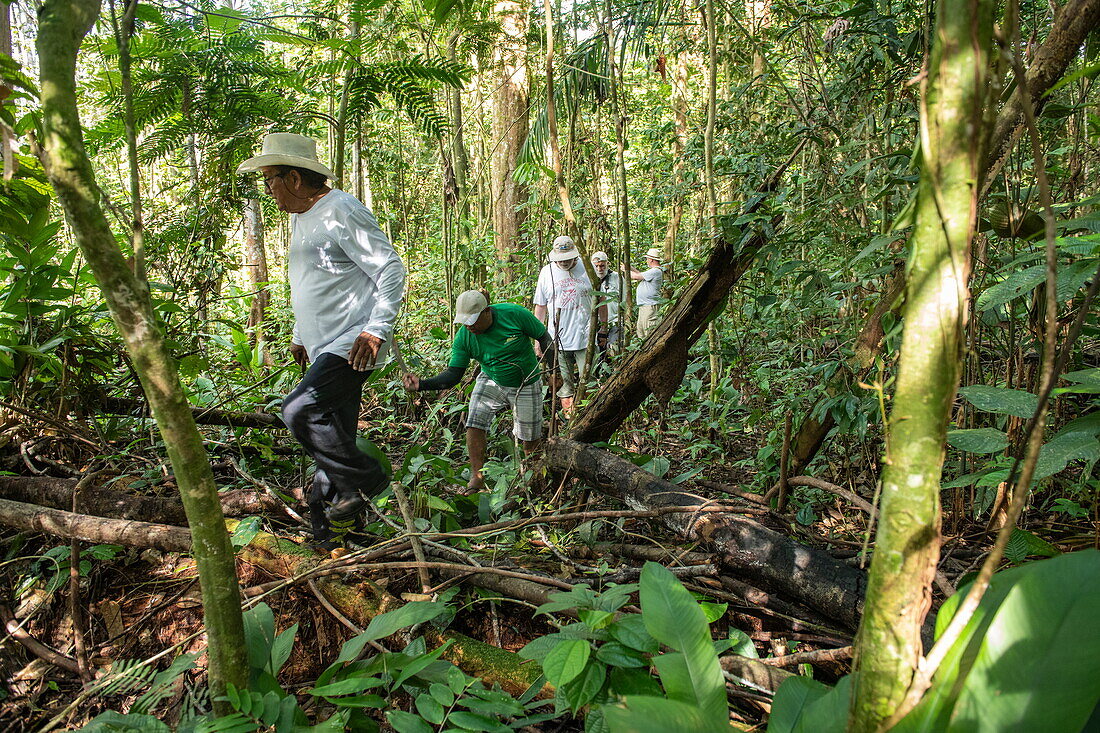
(34, 518)
(203, 415)
(57, 493)
(659, 367)
(748, 549)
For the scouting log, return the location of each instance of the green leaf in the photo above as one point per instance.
(442, 694)
(245, 531)
(660, 715)
(473, 721)
(618, 655)
(403, 722)
(742, 644)
(390, 623)
(803, 705)
(1056, 455)
(358, 682)
(584, 688)
(713, 611)
(1015, 284)
(1001, 400)
(429, 708)
(978, 440)
(630, 630)
(674, 619)
(633, 682)
(565, 661)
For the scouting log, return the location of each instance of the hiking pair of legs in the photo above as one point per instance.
(322, 413)
(487, 400)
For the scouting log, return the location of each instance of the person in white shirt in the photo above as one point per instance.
(563, 301)
(611, 284)
(346, 284)
(649, 291)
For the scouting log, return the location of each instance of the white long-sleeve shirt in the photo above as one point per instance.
(345, 277)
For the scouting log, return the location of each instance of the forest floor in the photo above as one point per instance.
(139, 602)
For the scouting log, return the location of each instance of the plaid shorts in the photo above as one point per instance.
(489, 398)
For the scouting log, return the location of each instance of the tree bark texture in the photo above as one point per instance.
(256, 264)
(1072, 24)
(509, 130)
(751, 551)
(101, 501)
(62, 27)
(659, 368)
(201, 415)
(60, 523)
(889, 645)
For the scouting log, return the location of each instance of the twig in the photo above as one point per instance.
(454, 567)
(814, 657)
(840, 491)
(784, 461)
(75, 611)
(35, 647)
(263, 486)
(414, 538)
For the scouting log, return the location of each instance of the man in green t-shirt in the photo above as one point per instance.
(498, 337)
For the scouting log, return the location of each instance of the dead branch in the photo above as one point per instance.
(94, 529)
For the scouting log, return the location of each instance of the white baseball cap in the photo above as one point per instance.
(469, 306)
(599, 256)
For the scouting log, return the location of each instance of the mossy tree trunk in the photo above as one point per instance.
(888, 645)
(62, 27)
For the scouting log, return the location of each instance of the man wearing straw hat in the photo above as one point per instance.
(649, 291)
(563, 301)
(346, 284)
(498, 337)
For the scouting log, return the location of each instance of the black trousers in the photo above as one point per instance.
(322, 413)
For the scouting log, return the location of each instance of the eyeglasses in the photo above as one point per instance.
(269, 179)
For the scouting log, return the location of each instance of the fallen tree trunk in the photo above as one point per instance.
(365, 600)
(104, 502)
(762, 556)
(34, 518)
(659, 367)
(203, 416)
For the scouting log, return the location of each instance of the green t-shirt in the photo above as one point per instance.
(504, 350)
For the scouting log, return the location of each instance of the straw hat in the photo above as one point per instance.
(654, 253)
(287, 148)
(564, 248)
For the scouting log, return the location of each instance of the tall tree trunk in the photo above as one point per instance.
(6, 137)
(953, 133)
(679, 143)
(711, 184)
(258, 276)
(62, 26)
(123, 33)
(510, 120)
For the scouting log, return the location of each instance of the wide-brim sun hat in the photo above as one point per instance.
(287, 148)
(469, 306)
(564, 248)
(654, 253)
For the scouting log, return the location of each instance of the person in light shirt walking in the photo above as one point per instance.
(649, 291)
(563, 301)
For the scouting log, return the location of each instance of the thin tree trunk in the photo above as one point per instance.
(123, 34)
(6, 137)
(258, 275)
(510, 120)
(907, 546)
(62, 26)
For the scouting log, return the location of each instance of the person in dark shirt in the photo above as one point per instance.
(498, 337)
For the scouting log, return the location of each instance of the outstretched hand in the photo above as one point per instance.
(410, 382)
(364, 352)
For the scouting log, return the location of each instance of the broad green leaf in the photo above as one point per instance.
(660, 715)
(1041, 645)
(442, 694)
(403, 722)
(389, 623)
(584, 688)
(630, 630)
(565, 661)
(619, 655)
(473, 721)
(1001, 400)
(673, 618)
(802, 705)
(978, 440)
(633, 682)
(429, 708)
(348, 686)
(1015, 284)
(742, 644)
(1083, 376)
(1055, 455)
